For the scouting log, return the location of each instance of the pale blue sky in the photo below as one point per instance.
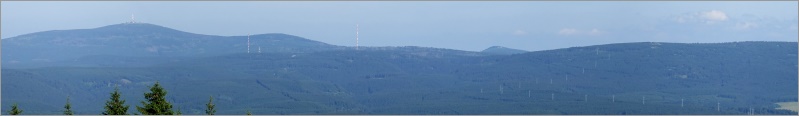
(469, 25)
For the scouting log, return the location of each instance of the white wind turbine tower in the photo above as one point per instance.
(356, 36)
(248, 43)
(586, 97)
(644, 100)
(594, 63)
(528, 93)
(500, 89)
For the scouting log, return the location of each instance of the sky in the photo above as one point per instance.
(461, 25)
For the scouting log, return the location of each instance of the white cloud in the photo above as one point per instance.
(568, 31)
(572, 31)
(708, 17)
(745, 25)
(713, 16)
(680, 19)
(594, 32)
(519, 32)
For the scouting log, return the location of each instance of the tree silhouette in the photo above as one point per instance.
(115, 106)
(67, 108)
(156, 103)
(14, 110)
(210, 106)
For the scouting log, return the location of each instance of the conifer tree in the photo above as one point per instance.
(115, 106)
(68, 108)
(14, 110)
(210, 106)
(156, 103)
(248, 112)
(178, 112)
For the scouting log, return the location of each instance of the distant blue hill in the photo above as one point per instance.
(293, 75)
(143, 40)
(499, 50)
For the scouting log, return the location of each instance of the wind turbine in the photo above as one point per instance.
(500, 89)
(132, 19)
(356, 36)
(248, 43)
(586, 97)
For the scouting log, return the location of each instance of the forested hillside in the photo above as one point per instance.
(624, 78)
(287, 74)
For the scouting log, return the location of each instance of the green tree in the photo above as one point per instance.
(156, 103)
(115, 106)
(68, 108)
(178, 112)
(248, 112)
(14, 110)
(210, 106)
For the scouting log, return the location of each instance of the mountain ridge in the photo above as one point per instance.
(499, 50)
(406, 81)
(141, 39)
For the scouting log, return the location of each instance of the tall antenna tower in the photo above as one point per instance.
(248, 43)
(356, 36)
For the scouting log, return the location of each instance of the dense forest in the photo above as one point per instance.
(622, 78)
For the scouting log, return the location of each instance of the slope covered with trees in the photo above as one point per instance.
(613, 78)
(293, 75)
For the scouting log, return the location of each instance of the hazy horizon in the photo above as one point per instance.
(471, 26)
